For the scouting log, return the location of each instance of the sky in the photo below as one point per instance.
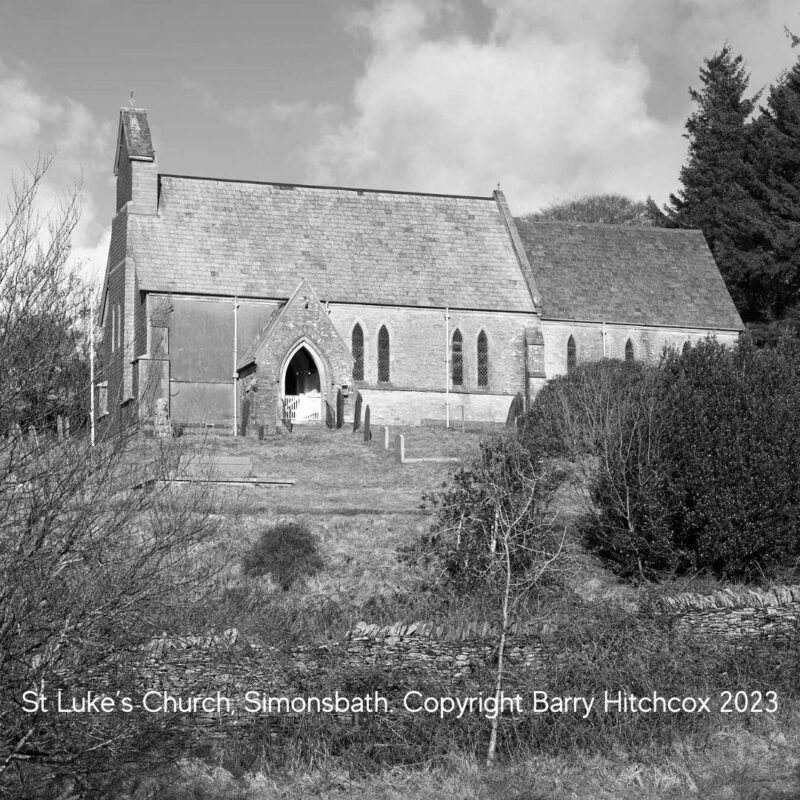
(552, 99)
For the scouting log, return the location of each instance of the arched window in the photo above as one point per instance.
(483, 359)
(629, 350)
(572, 355)
(457, 359)
(357, 348)
(383, 355)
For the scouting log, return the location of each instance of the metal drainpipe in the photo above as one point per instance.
(603, 334)
(235, 359)
(447, 366)
(91, 367)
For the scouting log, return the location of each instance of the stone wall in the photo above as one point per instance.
(411, 655)
(733, 613)
(648, 342)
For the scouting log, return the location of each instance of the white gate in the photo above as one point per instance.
(300, 408)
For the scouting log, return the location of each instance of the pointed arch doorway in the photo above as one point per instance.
(301, 386)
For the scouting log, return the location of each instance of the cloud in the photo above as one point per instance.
(557, 100)
(35, 126)
(259, 121)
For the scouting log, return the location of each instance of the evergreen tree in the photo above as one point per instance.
(721, 193)
(778, 131)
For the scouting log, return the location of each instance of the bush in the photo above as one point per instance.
(571, 415)
(286, 551)
(693, 464)
(503, 496)
(734, 456)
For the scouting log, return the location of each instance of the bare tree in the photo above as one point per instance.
(607, 421)
(90, 567)
(496, 536)
(610, 209)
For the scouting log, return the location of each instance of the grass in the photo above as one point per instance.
(362, 508)
(740, 764)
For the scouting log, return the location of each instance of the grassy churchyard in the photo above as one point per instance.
(362, 509)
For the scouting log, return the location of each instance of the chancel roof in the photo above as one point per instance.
(637, 275)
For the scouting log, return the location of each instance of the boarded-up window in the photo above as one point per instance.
(457, 359)
(383, 355)
(357, 348)
(483, 359)
(572, 355)
(629, 350)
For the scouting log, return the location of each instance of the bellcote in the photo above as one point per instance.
(135, 163)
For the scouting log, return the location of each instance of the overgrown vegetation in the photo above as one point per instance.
(90, 569)
(287, 552)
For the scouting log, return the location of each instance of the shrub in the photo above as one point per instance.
(694, 464)
(286, 551)
(571, 415)
(734, 456)
(503, 496)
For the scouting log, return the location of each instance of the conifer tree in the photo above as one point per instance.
(721, 193)
(778, 131)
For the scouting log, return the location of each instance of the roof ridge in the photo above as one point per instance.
(360, 190)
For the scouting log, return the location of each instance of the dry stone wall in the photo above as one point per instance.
(394, 658)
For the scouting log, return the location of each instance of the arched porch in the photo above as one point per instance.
(302, 385)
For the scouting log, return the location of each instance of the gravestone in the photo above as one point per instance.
(386, 439)
(339, 409)
(367, 430)
(399, 448)
(357, 414)
(245, 416)
(517, 410)
(161, 423)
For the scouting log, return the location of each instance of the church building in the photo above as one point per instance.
(239, 304)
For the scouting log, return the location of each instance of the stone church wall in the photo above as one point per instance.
(200, 350)
(648, 342)
(410, 408)
(416, 389)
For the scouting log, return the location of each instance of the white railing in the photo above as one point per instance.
(302, 408)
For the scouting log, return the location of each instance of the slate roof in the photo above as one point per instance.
(635, 275)
(136, 129)
(358, 246)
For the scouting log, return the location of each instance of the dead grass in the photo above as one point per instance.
(756, 763)
(363, 507)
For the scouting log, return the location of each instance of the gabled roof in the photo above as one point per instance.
(135, 130)
(353, 245)
(635, 275)
(303, 293)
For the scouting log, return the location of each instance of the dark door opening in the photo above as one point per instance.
(302, 375)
